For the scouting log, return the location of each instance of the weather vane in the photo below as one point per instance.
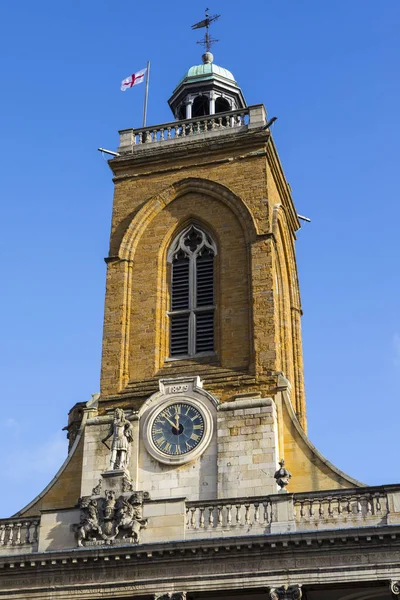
(207, 41)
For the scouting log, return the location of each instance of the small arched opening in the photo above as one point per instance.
(201, 106)
(222, 105)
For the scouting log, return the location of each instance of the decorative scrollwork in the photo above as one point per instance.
(170, 596)
(395, 587)
(286, 592)
(97, 490)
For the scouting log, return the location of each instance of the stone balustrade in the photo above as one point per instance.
(336, 509)
(232, 514)
(290, 512)
(19, 535)
(132, 140)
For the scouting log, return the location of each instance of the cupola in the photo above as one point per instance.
(206, 89)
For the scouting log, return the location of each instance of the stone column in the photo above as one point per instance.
(212, 104)
(189, 104)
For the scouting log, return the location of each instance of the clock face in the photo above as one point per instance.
(177, 429)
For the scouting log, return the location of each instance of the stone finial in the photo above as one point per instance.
(207, 58)
(286, 592)
(282, 476)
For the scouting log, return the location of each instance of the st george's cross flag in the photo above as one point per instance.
(133, 79)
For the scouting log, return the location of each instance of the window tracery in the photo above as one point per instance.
(192, 309)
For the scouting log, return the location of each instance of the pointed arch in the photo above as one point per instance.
(123, 246)
(128, 248)
(191, 313)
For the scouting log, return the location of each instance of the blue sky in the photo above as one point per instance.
(329, 71)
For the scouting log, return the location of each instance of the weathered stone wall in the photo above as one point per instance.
(247, 448)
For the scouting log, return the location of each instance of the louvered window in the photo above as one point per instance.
(192, 312)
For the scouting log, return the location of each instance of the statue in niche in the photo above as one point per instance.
(121, 432)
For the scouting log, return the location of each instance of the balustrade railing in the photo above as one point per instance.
(177, 130)
(340, 506)
(234, 513)
(19, 532)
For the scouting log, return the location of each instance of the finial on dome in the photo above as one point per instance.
(207, 58)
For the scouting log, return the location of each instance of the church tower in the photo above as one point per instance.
(229, 308)
(202, 279)
(190, 475)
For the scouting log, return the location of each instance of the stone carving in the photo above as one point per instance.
(170, 596)
(127, 485)
(286, 592)
(121, 432)
(282, 476)
(97, 490)
(107, 520)
(89, 523)
(395, 587)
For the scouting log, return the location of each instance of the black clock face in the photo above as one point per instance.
(177, 429)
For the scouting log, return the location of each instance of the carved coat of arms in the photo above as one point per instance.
(109, 519)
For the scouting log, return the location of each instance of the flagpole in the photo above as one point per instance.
(146, 94)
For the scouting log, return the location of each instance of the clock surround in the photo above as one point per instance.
(186, 425)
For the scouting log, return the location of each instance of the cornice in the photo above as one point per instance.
(301, 542)
(156, 157)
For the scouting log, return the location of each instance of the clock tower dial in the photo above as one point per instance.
(177, 429)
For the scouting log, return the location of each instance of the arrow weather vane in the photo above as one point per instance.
(207, 41)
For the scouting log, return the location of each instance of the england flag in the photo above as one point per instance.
(133, 79)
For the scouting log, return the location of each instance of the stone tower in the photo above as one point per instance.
(175, 485)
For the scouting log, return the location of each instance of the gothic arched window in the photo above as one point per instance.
(192, 309)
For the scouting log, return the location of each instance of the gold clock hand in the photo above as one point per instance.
(169, 421)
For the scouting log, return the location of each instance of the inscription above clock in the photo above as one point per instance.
(177, 429)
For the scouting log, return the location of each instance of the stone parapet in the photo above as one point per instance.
(177, 519)
(19, 535)
(134, 140)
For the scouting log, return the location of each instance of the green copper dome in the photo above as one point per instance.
(207, 71)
